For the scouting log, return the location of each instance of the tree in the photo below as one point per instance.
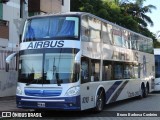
(138, 11)
(131, 15)
(91, 6)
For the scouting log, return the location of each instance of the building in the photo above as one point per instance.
(48, 6)
(12, 16)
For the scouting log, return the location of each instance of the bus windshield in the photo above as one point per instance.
(57, 27)
(47, 68)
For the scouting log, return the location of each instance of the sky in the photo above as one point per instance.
(155, 15)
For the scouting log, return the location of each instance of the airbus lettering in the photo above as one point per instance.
(121, 55)
(46, 44)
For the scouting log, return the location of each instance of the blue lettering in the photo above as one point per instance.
(35, 45)
(39, 45)
(46, 44)
(53, 44)
(60, 44)
(30, 46)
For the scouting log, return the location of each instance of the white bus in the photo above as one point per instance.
(77, 61)
(157, 69)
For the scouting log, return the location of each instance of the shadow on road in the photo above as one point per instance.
(156, 92)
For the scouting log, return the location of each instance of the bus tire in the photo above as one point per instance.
(143, 92)
(147, 90)
(99, 101)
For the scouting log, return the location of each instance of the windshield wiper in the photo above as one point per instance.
(56, 74)
(58, 80)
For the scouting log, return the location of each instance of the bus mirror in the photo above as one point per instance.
(8, 60)
(76, 67)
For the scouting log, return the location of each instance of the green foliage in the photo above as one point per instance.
(156, 44)
(103, 13)
(131, 15)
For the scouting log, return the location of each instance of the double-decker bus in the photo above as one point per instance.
(78, 61)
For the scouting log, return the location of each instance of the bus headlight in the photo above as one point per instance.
(19, 91)
(73, 91)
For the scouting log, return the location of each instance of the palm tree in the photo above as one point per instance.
(138, 11)
(142, 10)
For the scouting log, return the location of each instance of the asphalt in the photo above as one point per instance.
(9, 104)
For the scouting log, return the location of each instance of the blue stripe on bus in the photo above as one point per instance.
(111, 90)
(118, 92)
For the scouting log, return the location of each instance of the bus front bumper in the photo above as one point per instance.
(63, 103)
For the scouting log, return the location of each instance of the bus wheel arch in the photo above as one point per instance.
(100, 99)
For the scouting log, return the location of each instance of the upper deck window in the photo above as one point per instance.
(91, 29)
(61, 27)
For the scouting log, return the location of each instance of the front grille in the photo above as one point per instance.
(42, 93)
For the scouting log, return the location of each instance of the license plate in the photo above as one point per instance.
(41, 104)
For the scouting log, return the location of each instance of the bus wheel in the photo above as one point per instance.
(143, 93)
(147, 90)
(99, 101)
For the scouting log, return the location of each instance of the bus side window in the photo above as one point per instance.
(85, 34)
(118, 71)
(95, 66)
(107, 71)
(84, 70)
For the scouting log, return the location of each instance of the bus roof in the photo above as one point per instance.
(57, 14)
(85, 13)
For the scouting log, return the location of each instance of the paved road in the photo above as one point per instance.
(138, 106)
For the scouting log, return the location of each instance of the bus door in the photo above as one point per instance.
(88, 84)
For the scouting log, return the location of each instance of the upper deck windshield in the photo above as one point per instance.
(52, 27)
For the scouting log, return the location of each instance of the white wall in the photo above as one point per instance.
(11, 13)
(66, 6)
(50, 6)
(55, 6)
